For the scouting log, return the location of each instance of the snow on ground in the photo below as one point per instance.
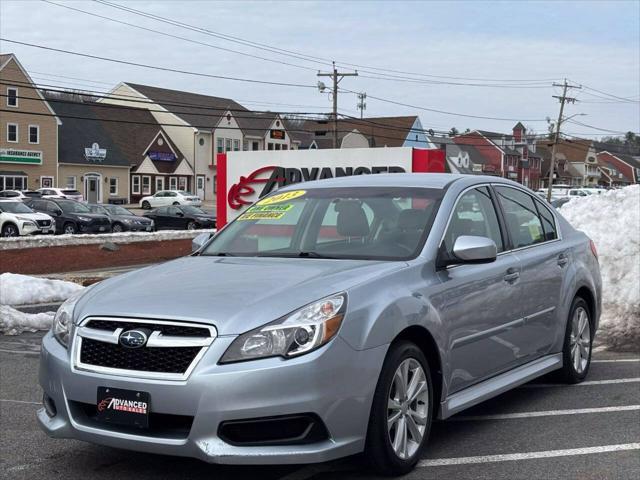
(14, 322)
(87, 239)
(612, 221)
(23, 289)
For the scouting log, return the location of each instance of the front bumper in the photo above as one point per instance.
(335, 382)
(92, 228)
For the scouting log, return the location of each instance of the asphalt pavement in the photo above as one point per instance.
(542, 430)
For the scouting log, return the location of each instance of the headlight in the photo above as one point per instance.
(127, 220)
(300, 332)
(64, 318)
(84, 219)
(24, 219)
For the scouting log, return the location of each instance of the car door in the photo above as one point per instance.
(161, 218)
(544, 260)
(177, 218)
(157, 200)
(478, 304)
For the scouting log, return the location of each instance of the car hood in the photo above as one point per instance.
(88, 215)
(235, 294)
(131, 217)
(33, 216)
(205, 217)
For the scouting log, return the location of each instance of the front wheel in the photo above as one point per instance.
(69, 229)
(146, 205)
(576, 353)
(401, 412)
(10, 230)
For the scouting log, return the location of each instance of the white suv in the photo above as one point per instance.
(170, 197)
(17, 219)
(61, 193)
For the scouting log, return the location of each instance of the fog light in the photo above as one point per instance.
(49, 405)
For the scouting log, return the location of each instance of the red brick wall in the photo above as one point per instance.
(86, 257)
(622, 167)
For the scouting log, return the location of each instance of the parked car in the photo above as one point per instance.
(71, 216)
(560, 201)
(13, 195)
(181, 217)
(324, 321)
(122, 220)
(164, 198)
(68, 193)
(17, 219)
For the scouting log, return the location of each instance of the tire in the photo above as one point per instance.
(380, 453)
(146, 205)
(69, 228)
(191, 226)
(578, 340)
(175, 203)
(117, 228)
(10, 230)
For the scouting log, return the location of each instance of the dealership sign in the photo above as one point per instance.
(162, 156)
(95, 153)
(245, 177)
(12, 155)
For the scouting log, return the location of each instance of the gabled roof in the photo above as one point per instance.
(125, 132)
(199, 111)
(255, 124)
(380, 131)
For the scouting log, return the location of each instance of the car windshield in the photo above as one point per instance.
(193, 210)
(14, 207)
(70, 206)
(371, 223)
(117, 210)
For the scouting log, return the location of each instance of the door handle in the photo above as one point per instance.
(512, 275)
(563, 260)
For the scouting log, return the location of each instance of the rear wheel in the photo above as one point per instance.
(578, 340)
(10, 230)
(191, 226)
(176, 203)
(117, 228)
(401, 412)
(146, 205)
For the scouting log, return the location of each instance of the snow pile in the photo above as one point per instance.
(36, 241)
(612, 221)
(23, 289)
(14, 322)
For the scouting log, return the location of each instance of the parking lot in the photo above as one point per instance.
(540, 430)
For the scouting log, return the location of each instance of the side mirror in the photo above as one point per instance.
(180, 214)
(472, 249)
(199, 241)
(57, 212)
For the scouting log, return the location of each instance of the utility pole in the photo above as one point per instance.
(336, 77)
(563, 99)
(362, 103)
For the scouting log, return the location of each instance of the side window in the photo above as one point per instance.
(170, 194)
(521, 217)
(159, 194)
(475, 215)
(52, 207)
(173, 211)
(548, 222)
(161, 211)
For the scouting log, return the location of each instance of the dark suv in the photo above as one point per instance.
(71, 216)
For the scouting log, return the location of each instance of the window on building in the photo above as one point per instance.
(182, 183)
(245, 145)
(285, 146)
(269, 146)
(135, 184)
(173, 183)
(220, 145)
(277, 145)
(12, 132)
(12, 97)
(113, 185)
(215, 184)
(12, 182)
(236, 145)
(256, 146)
(146, 185)
(227, 144)
(71, 182)
(34, 134)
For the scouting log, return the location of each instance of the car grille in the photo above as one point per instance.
(170, 360)
(44, 223)
(171, 351)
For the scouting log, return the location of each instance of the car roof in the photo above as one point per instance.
(412, 180)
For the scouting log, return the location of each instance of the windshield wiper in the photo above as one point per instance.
(313, 255)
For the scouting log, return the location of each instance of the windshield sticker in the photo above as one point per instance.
(261, 216)
(282, 197)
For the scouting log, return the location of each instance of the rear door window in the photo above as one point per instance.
(521, 217)
(548, 222)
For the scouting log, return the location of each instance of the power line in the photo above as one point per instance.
(154, 67)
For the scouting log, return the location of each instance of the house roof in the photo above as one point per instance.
(380, 131)
(545, 153)
(199, 111)
(574, 150)
(125, 133)
(255, 123)
(4, 58)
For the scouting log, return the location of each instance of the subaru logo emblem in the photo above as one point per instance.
(133, 339)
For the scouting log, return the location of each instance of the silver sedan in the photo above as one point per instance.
(330, 318)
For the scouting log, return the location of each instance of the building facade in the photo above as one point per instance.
(28, 131)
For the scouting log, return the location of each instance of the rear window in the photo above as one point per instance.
(71, 192)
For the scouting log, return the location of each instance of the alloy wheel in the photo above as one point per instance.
(10, 231)
(117, 228)
(580, 340)
(69, 230)
(407, 409)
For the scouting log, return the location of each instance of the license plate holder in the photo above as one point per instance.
(123, 407)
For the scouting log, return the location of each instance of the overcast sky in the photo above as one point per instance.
(596, 44)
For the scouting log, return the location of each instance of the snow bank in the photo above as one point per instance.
(23, 289)
(612, 221)
(14, 322)
(37, 241)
